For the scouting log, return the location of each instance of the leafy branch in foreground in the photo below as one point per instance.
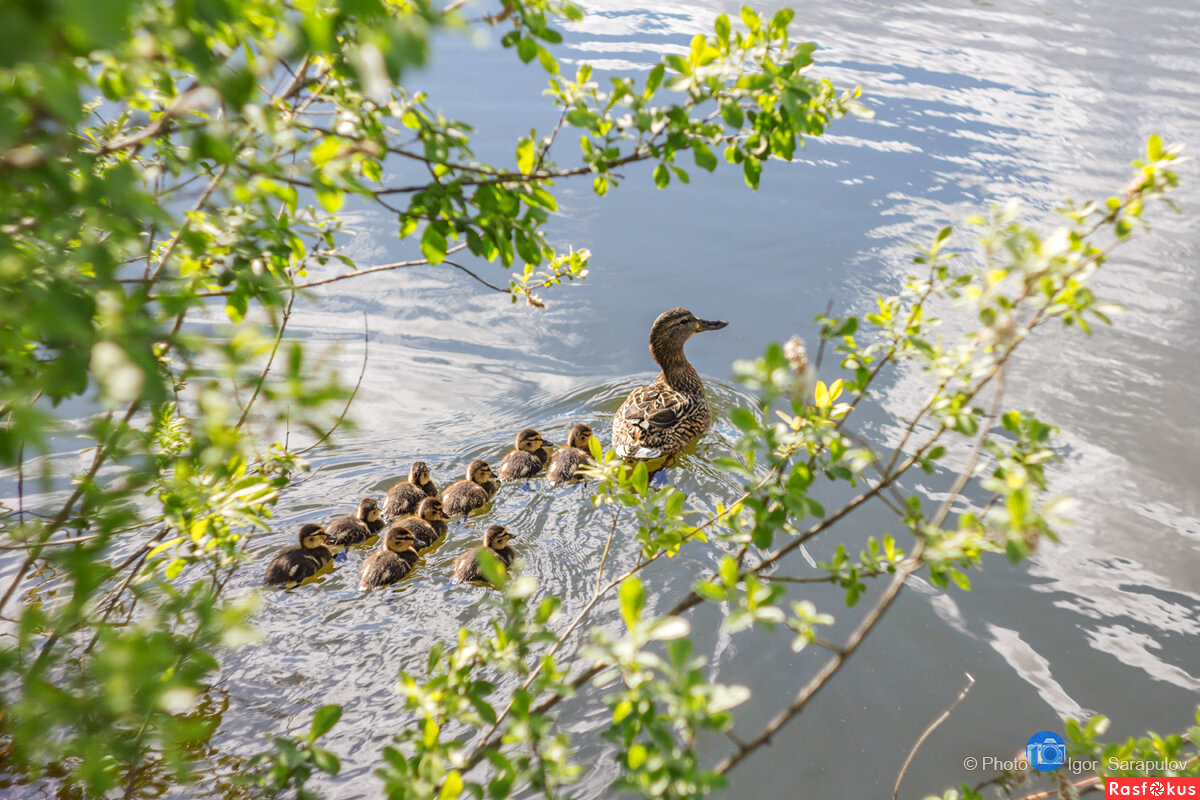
(162, 162)
(478, 717)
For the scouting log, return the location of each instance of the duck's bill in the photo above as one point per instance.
(712, 324)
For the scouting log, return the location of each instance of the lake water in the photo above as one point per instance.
(974, 103)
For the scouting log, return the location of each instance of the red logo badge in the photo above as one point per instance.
(1152, 787)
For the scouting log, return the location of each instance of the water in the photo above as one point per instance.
(974, 103)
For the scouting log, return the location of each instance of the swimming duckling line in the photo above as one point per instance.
(655, 420)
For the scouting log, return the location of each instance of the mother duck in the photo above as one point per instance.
(659, 419)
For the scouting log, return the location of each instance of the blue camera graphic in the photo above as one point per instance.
(1046, 751)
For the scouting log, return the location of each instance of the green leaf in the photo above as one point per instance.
(633, 600)
(753, 170)
(1154, 148)
(433, 244)
(326, 761)
(679, 64)
(662, 176)
(744, 419)
(525, 156)
(640, 477)
(331, 199)
(323, 721)
(729, 571)
(732, 113)
(705, 159)
(654, 79)
(546, 58)
(527, 49)
(452, 787)
(669, 628)
(960, 580)
(721, 26)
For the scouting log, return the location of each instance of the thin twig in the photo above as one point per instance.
(933, 726)
(821, 346)
(262, 378)
(420, 262)
(456, 265)
(181, 105)
(607, 545)
(341, 417)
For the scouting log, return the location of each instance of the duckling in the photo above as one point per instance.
(298, 563)
(429, 525)
(527, 459)
(403, 498)
(466, 566)
(659, 419)
(465, 496)
(567, 460)
(357, 529)
(391, 562)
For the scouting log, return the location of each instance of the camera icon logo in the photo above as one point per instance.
(1046, 751)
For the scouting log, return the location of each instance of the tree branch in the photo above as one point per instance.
(933, 726)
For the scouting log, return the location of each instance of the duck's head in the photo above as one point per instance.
(431, 510)
(368, 510)
(529, 440)
(496, 537)
(399, 539)
(479, 471)
(579, 436)
(312, 536)
(418, 475)
(674, 327)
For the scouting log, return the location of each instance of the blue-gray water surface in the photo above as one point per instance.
(974, 103)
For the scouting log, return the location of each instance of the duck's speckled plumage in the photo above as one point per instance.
(659, 419)
(404, 497)
(464, 497)
(567, 460)
(297, 563)
(429, 524)
(391, 562)
(466, 566)
(526, 460)
(358, 528)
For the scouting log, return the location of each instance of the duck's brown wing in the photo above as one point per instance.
(564, 464)
(292, 565)
(422, 531)
(645, 423)
(463, 498)
(402, 499)
(382, 568)
(519, 464)
(466, 567)
(347, 530)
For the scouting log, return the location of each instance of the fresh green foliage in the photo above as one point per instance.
(162, 160)
(991, 459)
(293, 761)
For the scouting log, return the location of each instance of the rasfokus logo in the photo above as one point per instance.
(1152, 787)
